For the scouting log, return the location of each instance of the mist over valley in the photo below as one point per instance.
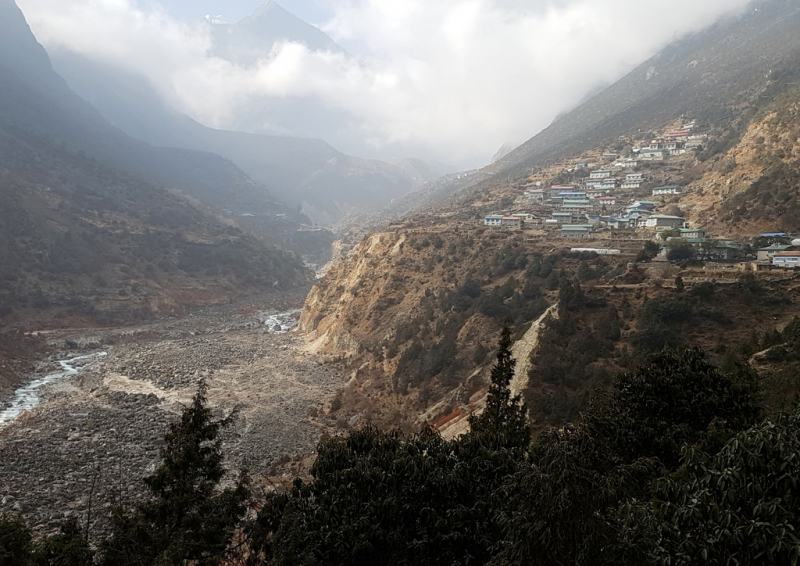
(480, 282)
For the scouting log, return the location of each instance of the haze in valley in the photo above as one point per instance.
(450, 81)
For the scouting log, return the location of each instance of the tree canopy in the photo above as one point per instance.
(670, 466)
(381, 498)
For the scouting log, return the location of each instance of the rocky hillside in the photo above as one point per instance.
(100, 243)
(417, 312)
(415, 315)
(416, 307)
(709, 75)
(752, 187)
(101, 226)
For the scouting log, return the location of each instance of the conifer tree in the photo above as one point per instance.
(16, 542)
(186, 517)
(505, 417)
(67, 548)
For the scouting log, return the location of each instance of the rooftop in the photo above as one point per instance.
(776, 248)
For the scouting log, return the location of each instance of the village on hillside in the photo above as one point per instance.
(614, 197)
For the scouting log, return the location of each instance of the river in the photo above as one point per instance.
(27, 397)
(280, 323)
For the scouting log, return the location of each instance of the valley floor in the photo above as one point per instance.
(94, 436)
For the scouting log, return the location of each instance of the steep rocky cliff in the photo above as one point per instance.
(416, 313)
(753, 187)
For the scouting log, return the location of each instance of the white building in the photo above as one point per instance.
(669, 190)
(534, 194)
(598, 251)
(664, 221)
(786, 259)
(652, 155)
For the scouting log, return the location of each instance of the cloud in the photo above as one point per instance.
(454, 79)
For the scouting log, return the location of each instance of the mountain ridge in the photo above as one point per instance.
(246, 41)
(706, 75)
(96, 224)
(675, 82)
(300, 171)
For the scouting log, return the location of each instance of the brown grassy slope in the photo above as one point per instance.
(722, 315)
(88, 240)
(753, 187)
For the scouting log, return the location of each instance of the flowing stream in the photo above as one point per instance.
(27, 397)
(282, 322)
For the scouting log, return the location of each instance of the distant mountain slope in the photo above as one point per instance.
(99, 243)
(248, 40)
(703, 76)
(712, 76)
(34, 99)
(300, 171)
(81, 231)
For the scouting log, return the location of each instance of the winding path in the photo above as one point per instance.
(522, 349)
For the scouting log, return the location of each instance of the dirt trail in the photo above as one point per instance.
(523, 348)
(521, 351)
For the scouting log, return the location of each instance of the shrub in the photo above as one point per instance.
(704, 290)
(16, 542)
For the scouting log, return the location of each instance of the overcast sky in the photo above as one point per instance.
(312, 11)
(450, 79)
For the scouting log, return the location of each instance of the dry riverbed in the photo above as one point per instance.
(95, 435)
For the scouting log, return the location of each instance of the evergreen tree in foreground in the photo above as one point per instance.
(382, 498)
(186, 517)
(16, 542)
(565, 498)
(68, 548)
(506, 418)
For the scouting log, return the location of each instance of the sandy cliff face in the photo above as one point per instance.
(356, 285)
